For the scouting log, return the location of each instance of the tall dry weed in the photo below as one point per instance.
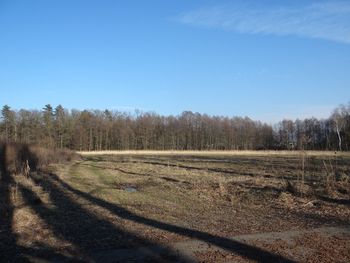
(16, 158)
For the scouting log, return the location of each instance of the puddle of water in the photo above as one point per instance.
(130, 189)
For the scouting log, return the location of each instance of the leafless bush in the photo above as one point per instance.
(47, 156)
(13, 156)
(16, 158)
(331, 169)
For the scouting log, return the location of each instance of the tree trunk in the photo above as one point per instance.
(339, 137)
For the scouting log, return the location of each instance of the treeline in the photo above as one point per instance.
(90, 130)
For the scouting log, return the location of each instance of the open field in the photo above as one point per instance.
(104, 206)
(218, 153)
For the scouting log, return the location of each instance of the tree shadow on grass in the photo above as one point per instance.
(322, 219)
(228, 172)
(10, 250)
(85, 230)
(334, 200)
(115, 169)
(292, 170)
(230, 245)
(8, 239)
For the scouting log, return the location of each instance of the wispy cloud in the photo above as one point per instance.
(329, 20)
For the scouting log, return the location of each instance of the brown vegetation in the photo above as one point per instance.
(18, 158)
(128, 201)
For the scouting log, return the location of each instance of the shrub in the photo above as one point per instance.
(47, 156)
(13, 157)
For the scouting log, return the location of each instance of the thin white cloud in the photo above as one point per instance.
(329, 20)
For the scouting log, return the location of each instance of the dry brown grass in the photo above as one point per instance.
(18, 158)
(13, 157)
(88, 206)
(214, 153)
(211, 179)
(48, 156)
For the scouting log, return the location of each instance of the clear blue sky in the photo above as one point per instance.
(262, 59)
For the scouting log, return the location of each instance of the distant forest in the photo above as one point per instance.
(90, 130)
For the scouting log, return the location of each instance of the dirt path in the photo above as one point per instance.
(199, 251)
